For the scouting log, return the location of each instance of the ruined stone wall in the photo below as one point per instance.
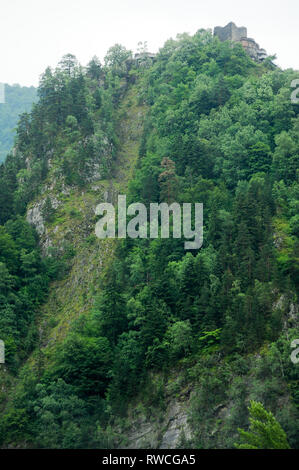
(230, 32)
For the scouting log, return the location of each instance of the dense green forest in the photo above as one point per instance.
(18, 99)
(100, 331)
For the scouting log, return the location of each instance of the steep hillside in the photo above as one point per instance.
(139, 342)
(74, 221)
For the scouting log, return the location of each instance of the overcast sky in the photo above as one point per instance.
(37, 33)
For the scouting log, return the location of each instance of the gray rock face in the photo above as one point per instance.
(177, 425)
(161, 434)
(34, 217)
(290, 309)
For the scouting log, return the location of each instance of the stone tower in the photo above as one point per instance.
(230, 32)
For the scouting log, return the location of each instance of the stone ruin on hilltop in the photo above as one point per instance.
(231, 32)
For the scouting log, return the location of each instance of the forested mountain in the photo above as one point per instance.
(138, 342)
(18, 99)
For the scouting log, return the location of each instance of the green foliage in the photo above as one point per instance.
(59, 416)
(264, 432)
(23, 288)
(18, 100)
(209, 342)
(84, 363)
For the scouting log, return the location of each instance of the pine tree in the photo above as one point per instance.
(264, 432)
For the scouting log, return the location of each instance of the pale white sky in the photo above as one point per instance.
(37, 33)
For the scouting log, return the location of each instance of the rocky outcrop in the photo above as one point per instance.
(168, 432)
(177, 426)
(34, 217)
